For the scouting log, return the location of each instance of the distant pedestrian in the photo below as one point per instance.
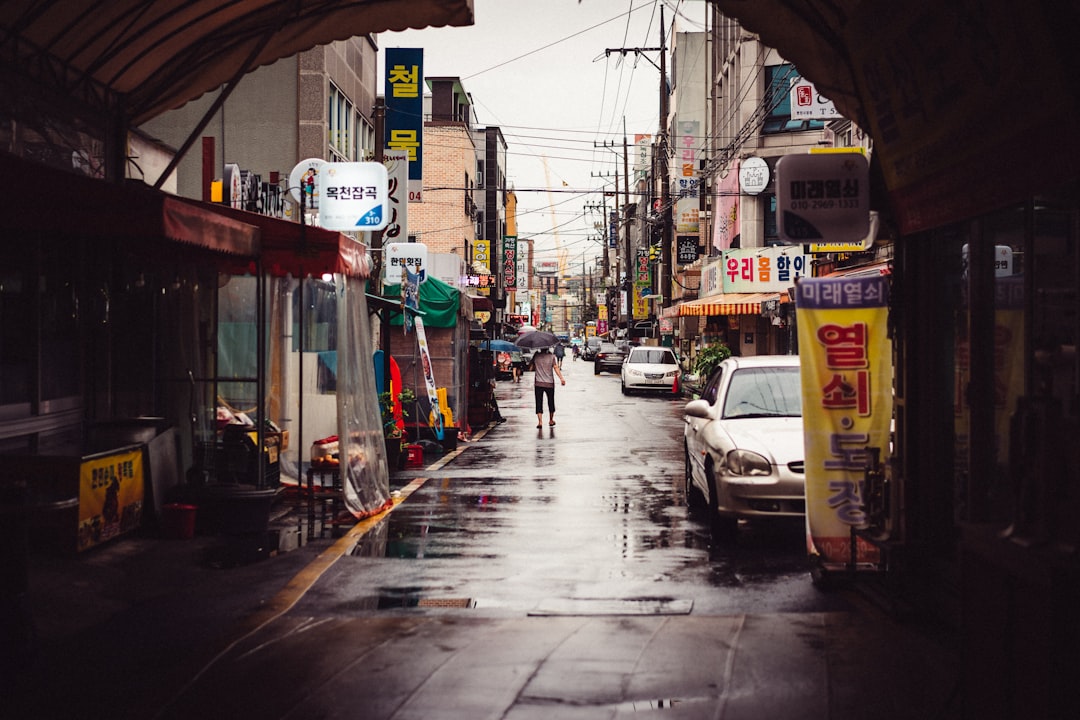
(545, 368)
(560, 353)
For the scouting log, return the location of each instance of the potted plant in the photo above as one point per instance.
(392, 434)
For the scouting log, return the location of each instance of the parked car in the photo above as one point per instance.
(649, 368)
(743, 443)
(590, 348)
(609, 358)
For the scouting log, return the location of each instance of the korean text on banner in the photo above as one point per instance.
(404, 121)
(847, 407)
(435, 417)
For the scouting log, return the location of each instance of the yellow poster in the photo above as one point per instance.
(111, 490)
(847, 379)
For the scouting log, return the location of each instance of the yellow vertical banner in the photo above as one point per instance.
(847, 378)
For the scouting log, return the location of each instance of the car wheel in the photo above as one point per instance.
(724, 527)
(694, 499)
(624, 390)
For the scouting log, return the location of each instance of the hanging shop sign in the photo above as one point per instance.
(404, 82)
(686, 181)
(509, 262)
(753, 175)
(823, 197)
(808, 104)
(686, 249)
(304, 183)
(404, 255)
(846, 375)
(353, 196)
(397, 171)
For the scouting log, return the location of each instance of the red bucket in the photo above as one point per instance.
(416, 456)
(178, 521)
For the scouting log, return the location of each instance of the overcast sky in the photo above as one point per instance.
(539, 71)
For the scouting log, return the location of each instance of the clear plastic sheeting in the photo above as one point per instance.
(364, 469)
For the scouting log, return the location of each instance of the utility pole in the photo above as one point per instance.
(665, 200)
(665, 179)
(630, 259)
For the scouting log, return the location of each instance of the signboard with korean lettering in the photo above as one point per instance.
(768, 269)
(808, 104)
(397, 170)
(846, 371)
(686, 180)
(402, 255)
(353, 196)
(509, 262)
(823, 197)
(404, 90)
(111, 494)
(642, 156)
(686, 249)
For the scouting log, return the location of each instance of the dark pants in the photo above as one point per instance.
(540, 392)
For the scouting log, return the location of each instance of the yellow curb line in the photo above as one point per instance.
(303, 581)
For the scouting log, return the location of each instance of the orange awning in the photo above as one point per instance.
(727, 304)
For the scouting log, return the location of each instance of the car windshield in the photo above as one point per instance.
(764, 392)
(656, 357)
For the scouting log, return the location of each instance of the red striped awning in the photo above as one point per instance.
(727, 304)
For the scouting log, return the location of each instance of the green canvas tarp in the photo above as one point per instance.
(439, 302)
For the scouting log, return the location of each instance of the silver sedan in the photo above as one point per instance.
(743, 442)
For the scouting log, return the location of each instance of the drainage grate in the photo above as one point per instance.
(446, 602)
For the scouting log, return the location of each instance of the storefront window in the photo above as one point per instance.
(17, 332)
(1015, 365)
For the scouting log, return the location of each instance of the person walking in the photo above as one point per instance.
(545, 368)
(560, 353)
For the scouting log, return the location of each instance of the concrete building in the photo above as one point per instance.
(316, 104)
(747, 126)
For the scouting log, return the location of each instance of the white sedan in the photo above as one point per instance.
(743, 442)
(650, 368)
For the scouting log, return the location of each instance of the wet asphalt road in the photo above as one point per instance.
(590, 512)
(551, 573)
(555, 573)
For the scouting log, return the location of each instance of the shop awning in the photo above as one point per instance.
(288, 248)
(724, 304)
(47, 200)
(440, 302)
(156, 55)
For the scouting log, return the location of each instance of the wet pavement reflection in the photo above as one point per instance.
(592, 508)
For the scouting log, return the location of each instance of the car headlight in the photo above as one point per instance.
(746, 462)
(635, 373)
(671, 374)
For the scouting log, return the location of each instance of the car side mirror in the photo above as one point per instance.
(697, 408)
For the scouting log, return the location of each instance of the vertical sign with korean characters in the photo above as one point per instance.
(397, 171)
(846, 371)
(686, 181)
(405, 111)
(509, 262)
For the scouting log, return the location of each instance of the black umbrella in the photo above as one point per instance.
(536, 339)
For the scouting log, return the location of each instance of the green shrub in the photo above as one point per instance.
(708, 357)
